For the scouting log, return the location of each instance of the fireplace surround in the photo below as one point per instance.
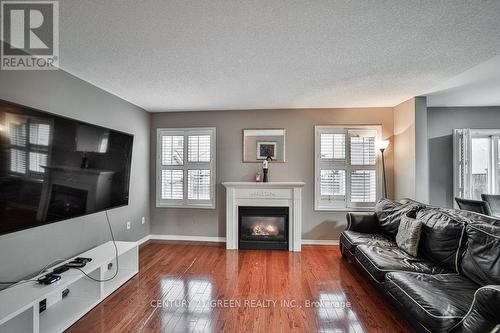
(258, 195)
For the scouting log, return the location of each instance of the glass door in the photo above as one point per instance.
(496, 164)
(481, 172)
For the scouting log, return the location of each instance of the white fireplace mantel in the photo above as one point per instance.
(276, 194)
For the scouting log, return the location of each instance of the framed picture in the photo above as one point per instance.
(258, 143)
(265, 149)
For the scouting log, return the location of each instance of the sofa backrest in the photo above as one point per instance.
(443, 236)
(462, 241)
(481, 260)
(473, 217)
(389, 213)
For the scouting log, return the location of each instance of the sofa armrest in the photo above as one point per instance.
(363, 222)
(483, 313)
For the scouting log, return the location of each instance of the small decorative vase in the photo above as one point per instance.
(258, 177)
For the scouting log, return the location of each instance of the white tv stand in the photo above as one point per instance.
(19, 305)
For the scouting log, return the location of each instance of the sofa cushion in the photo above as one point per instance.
(389, 214)
(408, 235)
(481, 261)
(351, 239)
(378, 261)
(438, 302)
(443, 236)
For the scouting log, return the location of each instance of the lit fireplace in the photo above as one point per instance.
(263, 227)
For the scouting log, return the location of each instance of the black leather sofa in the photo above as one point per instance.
(454, 283)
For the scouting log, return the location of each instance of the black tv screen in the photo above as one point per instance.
(53, 168)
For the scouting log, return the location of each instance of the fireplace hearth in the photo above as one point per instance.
(263, 227)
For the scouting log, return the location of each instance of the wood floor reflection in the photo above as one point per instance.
(201, 287)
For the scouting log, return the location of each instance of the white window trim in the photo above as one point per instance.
(318, 129)
(185, 202)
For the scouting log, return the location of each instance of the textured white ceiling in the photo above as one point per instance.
(168, 55)
(478, 86)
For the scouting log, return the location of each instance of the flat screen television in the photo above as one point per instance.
(54, 168)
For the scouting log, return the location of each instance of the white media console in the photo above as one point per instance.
(19, 305)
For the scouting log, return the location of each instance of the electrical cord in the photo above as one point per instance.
(13, 283)
(116, 256)
(52, 263)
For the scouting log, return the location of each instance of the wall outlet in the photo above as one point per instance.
(42, 306)
(128, 225)
(143, 220)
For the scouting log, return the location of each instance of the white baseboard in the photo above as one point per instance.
(143, 240)
(188, 238)
(320, 242)
(223, 239)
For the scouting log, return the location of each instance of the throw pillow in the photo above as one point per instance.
(408, 235)
(389, 213)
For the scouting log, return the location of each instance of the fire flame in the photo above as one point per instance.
(265, 230)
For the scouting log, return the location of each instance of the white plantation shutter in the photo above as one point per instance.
(332, 146)
(363, 167)
(172, 150)
(199, 184)
(332, 182)
(172, 184)
(363, 186)
(186, 168)
(462, 154)
(199, 148)
(363, 150)
(346, 167)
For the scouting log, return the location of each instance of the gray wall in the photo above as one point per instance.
(421, 150)
(25, 252)
(404, 149)
(441, 122)
(411, 154)
(299, 166)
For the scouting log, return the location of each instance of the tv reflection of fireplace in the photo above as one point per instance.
(66, 202)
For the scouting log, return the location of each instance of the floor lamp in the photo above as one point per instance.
(382, 146)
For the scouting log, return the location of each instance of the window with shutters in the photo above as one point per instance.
(29, 144)
(186, 167)
(476, 162)
(346, 167)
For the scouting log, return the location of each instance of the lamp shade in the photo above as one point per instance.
(382, 145)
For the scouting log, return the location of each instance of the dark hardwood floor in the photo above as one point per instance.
(201, 287)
